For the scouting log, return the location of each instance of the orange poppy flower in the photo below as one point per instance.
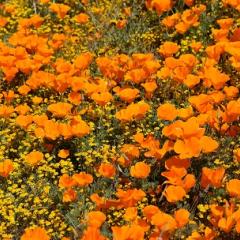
(188, 148)
(133, 232)
(83, 60)
(3, 21)
(69, 195)
(6, 167)
(107, 170)
(60, 109)
(102, 98)
(164, 222)
(231, 91)
(189, 3)
(24, 120)
(182, 27)
(95, 218)
(51, 129)
(196, 46)
(40, 119)
(167, 49)
(176, 162)
(9, 96)
(22, 109)
(185, 113)
(75, 98)
(174, 193)
(34, 158)
(81, 18)
(120, 24)
(212, 177)
(202, 102)
(225, 23)
(167, 111)
(80, 128)
(82, 179)
(130, 214)
(36, 233)
(213, 77)
(92, 233)
(130, 197)
(65, 181)
(131, 151)
(24, 90)
(149, 211)
(37, 100)
(140, 170)
(6, 111)
(103, 203)
(233, 188)
(63, 153)
(128, 94)
(137, 75)
(208, 144)
(60, 9)
(182, 217)
(171, 21)
(226, 224)
(191, 80)
(161, 5)
(39, 132)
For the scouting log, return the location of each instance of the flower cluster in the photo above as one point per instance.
(119, 120)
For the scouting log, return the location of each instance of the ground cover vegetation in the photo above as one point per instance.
(119, 119)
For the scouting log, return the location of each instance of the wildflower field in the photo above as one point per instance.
(119, 119)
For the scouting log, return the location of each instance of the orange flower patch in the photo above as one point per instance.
(6, 167)
(233, 188)
(60, 109)
(107, 170)
(95, 219)
(82, 179)
(60, 9)
(212, 177)
(36, 233)
(34, 158)
(167, 111)
(140, 170)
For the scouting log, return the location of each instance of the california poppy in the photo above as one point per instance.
(161, 6)
(81, 18)
(107, 170)
(167, 111)
(63, 153)
(60, 9)
(82, 179)
(174, 193)
(182, 217)
(130, 214)
(69, 195)
(60, 109)
(6, 167)
(233, 188)
(65, 181)
(164, 222)
(92, 233)
(167, 49)
(134, 232)
(212, 177)
(34, 158)
(95, 218)
(140, 170)
(36, 233)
